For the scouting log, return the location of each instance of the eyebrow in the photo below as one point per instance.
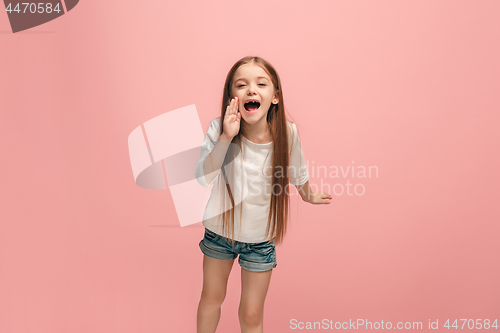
(260, 77)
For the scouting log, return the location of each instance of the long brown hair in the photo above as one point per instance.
(277, 121)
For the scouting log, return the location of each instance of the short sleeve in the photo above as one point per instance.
(297, 169)
(209, 141)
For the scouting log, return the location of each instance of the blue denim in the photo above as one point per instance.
(255, 257)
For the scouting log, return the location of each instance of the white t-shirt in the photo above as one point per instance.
(253, 188)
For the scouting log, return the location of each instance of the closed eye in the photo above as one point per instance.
(242, 85)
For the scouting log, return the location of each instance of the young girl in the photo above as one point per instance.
(251, 153)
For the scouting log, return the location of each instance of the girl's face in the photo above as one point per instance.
(255, 92)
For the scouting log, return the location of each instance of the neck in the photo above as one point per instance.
(258, 132)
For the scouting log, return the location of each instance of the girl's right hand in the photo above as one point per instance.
(232, 117)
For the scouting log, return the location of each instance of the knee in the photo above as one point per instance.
(213, 298)
(251, 317)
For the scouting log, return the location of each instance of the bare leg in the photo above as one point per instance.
(215, 276)
(254, 286)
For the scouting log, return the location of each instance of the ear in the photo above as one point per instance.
(276, 99)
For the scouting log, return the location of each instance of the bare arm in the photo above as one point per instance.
(313, 197)
(213, 162)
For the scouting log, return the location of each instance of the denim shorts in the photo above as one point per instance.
(255, 257)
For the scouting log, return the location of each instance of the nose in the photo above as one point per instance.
(251, 89)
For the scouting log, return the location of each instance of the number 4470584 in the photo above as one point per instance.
(33, 8)
(471, 324)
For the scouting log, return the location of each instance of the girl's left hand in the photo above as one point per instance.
(317, 198)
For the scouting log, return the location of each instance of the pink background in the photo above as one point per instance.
(408, 86)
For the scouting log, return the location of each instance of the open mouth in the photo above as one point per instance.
(252, 106)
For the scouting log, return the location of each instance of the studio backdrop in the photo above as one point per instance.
(397, 105)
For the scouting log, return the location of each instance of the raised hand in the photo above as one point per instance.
(232, 117)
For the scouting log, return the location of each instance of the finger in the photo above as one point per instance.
(236, 105)
(233, 103)
(231, 107)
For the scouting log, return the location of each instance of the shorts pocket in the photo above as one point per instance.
(211, 235)
(263, 248)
